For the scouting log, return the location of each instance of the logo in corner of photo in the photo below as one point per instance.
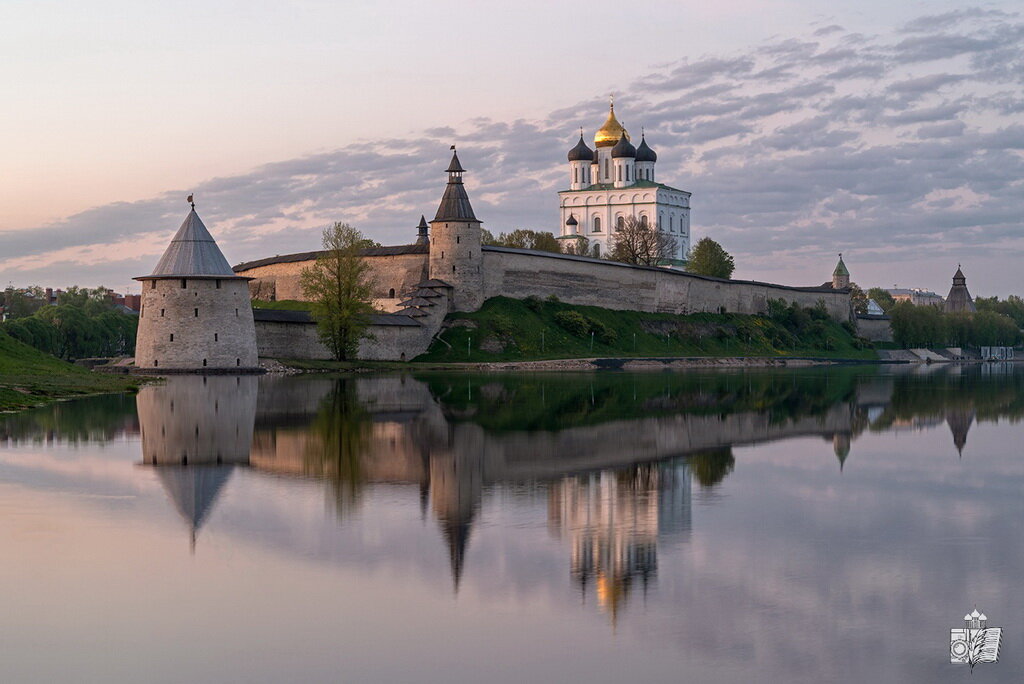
(976, 642)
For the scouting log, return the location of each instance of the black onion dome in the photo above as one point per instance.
(571, 221)
(623, 148)
(581, 152)
(644, 153)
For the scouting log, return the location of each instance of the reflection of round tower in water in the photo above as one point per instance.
(195, 313)
(198, 420)
(194, 430)
(455, 243)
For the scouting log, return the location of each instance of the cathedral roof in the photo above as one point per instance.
(193, 252)
(581, 152)
(455, 204)
(611, 131)
(644, 153)
(571, 221)
(623, 148)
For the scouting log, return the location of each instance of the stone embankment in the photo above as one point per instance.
(667, 363)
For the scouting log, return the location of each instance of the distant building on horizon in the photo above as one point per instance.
(917, 296)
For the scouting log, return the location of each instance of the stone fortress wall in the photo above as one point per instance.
(520, 273)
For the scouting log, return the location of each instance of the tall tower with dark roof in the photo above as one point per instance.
(195, 313)
(959, 299)
(455, 243)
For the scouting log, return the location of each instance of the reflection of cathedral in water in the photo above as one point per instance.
(614, 520)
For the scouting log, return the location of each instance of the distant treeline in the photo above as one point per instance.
(83, 323)
(928, 326)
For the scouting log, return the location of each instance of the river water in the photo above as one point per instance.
(817, 525)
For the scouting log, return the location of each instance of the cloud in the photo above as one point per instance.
(793, 150)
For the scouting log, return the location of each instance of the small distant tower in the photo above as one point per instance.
(455, 243)
(624, 162)
(581, 161)
(959, 299)
(841, 276)
(422, 235)
(195, 313)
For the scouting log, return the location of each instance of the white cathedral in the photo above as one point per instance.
(617, 181)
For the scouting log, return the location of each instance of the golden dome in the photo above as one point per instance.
(611, 131)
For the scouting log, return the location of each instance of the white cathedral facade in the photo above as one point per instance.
(615, 181)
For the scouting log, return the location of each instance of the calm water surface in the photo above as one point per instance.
(825, 525)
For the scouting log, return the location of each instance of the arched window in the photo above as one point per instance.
(597, 249)
(184, 283)
(204, 366)
(597, 228)
(671, 224)
(620, 223)
(391, 293)
(238, 362)
(575, 173)
(627, 173)
(643, 220)
(606, 174)
(618, 172)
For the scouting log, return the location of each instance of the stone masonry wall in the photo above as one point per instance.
(210, 320)
(615, 286)
(400, 273)
(875, 328)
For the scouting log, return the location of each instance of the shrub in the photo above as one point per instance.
(573, 322)
(534, 303)
(602, 332)
(553, 299)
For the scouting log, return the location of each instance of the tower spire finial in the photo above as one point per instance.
(190, 201)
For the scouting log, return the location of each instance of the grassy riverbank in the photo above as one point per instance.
(507, 329)
(29, 377)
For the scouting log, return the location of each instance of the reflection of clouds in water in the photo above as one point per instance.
(842, 560)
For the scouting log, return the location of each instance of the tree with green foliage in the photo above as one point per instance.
(340, 289)
(882, 298)
(928, 326)
(708, 258)
(581, 246)
(522, 238)
(1012, 306)
(84, 323)
(20, 303)
(858, 300)
(640, 243)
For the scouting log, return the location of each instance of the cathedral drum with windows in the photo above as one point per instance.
(617, 181)
(196, 314)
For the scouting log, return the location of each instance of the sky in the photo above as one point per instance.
(890, 132)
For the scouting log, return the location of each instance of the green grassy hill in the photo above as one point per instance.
(507, 329)
(29, 377)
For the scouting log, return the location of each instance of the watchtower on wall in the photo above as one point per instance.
(455, 243)
(195, 313)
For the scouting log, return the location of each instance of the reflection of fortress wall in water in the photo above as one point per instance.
(409, 429)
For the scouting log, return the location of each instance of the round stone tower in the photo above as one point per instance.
(456, 256)
(195, 314)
